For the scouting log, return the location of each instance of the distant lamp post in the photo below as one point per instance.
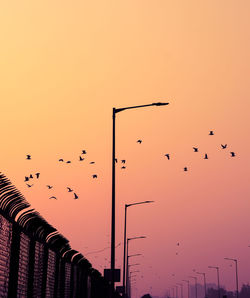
(205, 284)
(218, 278)
(187, 281)
(195, 278)
(236, 273)
(129, 239)
(125, 236)
(181, 285)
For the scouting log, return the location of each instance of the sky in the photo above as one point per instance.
(66, 64)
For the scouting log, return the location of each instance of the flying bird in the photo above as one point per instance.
(81, 158)
(68, 161)
(116, 160)
(49, 186)
(232, 154)
(205, 156)
(94, 176)
(37, 175)
(195, 149)
(60, 159)
(167, 156)
(92, 162)
(31, 177)
(224, 146)
(29, 185)
(26, 179)
(69, 189)
(185, 169)
(75, 196)
(123, 161)
(211, 133)
(84, 152)
(123, 167)
(53, 198)
(28, 156)
(139, 141)
(178, 244)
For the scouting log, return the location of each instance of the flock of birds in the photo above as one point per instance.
(123, 167)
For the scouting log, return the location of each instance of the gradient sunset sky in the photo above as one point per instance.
(66, 64)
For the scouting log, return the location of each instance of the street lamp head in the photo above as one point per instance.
(160, 103)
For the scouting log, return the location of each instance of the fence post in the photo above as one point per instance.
(14, 261)
(45, 267)
(31, 268)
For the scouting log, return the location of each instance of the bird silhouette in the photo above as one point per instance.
(69, 189)
(178, 244)
(185, 169)
(49, 186)
(123, 161)
(53, 198)
(26, 179)
(29, 185)
(84, 152)
(139, 141)
(211, 133)
(224, 146)
(75, 196)
(205, 156)
(123, 167)
(81, 158)
(232, 154)
(31, 176)
(92, 162)
(37, 175)
(167, 156)
(195, 149)
(94, 176)
(28, 156)
(60, 159)
(68, 161)
(116, 160)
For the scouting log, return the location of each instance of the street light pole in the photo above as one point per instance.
(181, 285)
(236, 273)
(205, 284)
(187, 281)
(128, 239)
(112, 257)
(195, 278)
(218, 278)
(124, 241)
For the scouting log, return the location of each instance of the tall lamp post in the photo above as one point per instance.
(205, 284)
(125, 235)
(236, 273)
(187, 281)
(218, 278)
(112, 258)
(195, 278)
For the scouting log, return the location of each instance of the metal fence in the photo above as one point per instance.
(35, 260)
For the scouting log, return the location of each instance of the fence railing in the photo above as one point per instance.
(35, 259)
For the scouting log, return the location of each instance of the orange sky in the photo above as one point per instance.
(65, 64)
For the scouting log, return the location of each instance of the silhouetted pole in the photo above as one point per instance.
(176, 289)
(218, 278)
(128, 283)
(128, 239)
(112, 258)
(181, 285)
(236, 272)
(187, 281)
(195, 278)
(125, 236)
(205, 284)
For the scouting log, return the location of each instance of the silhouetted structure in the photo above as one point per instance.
(36, 261)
